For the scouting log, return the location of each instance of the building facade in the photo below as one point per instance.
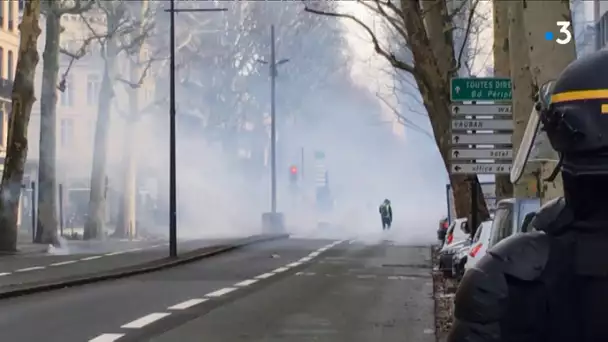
(9, 46)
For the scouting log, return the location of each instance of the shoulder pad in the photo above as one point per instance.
(522, 256)
(553, 217)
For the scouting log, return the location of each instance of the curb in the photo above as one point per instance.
(148, 267)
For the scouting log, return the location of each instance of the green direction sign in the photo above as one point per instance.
(480, 89)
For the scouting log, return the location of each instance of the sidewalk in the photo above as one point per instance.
(23, 270)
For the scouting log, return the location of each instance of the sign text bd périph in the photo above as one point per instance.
(482, 168)
(480, 89)
(482, 124)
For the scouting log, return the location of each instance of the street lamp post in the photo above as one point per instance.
(273, 64)
(172, 140)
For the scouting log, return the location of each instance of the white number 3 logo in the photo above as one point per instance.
(563, 29)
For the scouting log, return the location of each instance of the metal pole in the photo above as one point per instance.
(474, 207)
(302, 162)
(61, 220)
(33, 205)
(172, 147)
(273, 128)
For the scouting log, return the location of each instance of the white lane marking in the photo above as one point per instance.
(116, 253)
(187, 304)
(91, 258)
(64, 263)
(143, 321)
(220, 292)
(293, 264)
(280, 269)
(246, 282)
(314, 254)
(133, 250)
(264, 276)
(31, 269)
(156, 246)
(5, 274)
(305, 259)
(107, 338)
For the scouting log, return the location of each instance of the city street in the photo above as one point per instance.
(284, 290)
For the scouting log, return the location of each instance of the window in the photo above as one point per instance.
(67, 132)
(11, 67)
(503, 224)
(2, 14)
(66, 95)
(1, 60)
(11, 15)
(478, 233)
(21, 5)
(93, 89)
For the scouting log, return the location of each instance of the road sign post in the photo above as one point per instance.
(481, 134)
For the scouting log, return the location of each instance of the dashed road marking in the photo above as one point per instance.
(116, 253)
(220, 292)
(264, 276)
(27, 269)
(246, 282)
(188, 304)
(143, 321)
(280, 269)
(95, 257)
(153, 317)
(5, 274)
(107, 338)
(64, 263)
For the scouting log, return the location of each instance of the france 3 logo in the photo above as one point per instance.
(564, 35)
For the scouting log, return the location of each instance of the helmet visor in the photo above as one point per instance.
(531, 133)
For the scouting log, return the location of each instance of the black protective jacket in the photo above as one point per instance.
(550, 285)
(386, 212)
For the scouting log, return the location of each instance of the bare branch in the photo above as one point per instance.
(74, 56)
(391, 58)
(403, 120)
(142, 77)
(80, 6)
(466, 35)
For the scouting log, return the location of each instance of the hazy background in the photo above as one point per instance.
(333, 95)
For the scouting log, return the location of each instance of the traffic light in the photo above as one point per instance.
(293, 174)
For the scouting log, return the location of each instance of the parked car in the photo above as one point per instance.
(480, 243)
(459, 259)
(457, 235)
(443, 229)
(512, 216)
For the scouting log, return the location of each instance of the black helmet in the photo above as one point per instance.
(574, 114)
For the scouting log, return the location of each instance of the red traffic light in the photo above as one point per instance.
(294, 170)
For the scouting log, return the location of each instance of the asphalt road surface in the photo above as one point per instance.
(286, 290)
(19, 269)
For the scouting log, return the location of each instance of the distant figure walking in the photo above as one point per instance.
(386, 213)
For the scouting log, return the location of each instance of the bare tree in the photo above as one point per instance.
(118, 22)
(52, 10)
(523, 92)
(502, 68)
(23, 99)
(540, 17)
(425, 27)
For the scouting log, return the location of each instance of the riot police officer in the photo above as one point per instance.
(551, 285)
(386, 214)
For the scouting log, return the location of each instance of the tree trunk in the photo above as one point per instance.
(434, 87)
(47, 196)
(523, 94)
(23, 99)
(547, 60)
(504, 188)
(96, 217)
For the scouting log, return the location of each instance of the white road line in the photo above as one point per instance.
(156, 246)
(31, 269)
(187, 304)
(280, 269)
(116, 253)
(264, 276)
(220, 292)
(246, 282)
(293, 264)
(314, 254)
(134, 250)
(5, 274)
(107, 338)
(64, 263)
(143, 321)
(91, 258)
(305, 259)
